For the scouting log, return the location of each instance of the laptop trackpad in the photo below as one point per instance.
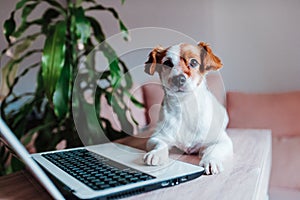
(134, 158)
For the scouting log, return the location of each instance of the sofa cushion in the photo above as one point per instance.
(285, 162)
(278, 193)
(281, 114)
(153, 97)
(278, 112)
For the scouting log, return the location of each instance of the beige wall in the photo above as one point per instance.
(259, 43)
(258, 40)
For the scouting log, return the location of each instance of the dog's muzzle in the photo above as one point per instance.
(179, 80)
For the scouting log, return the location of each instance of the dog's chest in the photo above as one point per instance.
(191, 120)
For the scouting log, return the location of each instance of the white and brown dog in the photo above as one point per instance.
(191, 118)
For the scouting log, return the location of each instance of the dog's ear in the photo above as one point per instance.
(155, 57)
(209, 61)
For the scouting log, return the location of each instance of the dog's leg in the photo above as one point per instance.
(214, 155)
(158, 152)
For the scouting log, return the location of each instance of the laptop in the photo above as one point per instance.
(104, 171)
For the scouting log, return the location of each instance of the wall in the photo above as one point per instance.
(259, 44)
(258, 41)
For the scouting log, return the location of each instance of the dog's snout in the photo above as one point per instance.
(179, 80)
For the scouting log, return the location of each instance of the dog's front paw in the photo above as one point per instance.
(156, 157)
(212, 165)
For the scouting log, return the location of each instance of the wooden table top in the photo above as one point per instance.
(246, 176)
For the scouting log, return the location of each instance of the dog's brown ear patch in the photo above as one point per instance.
(208, 59)
(155, 57)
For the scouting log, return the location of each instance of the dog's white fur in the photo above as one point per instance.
(191, 118)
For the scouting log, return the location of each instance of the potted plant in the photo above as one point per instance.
(45, 116)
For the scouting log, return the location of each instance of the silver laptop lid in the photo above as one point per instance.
(20, 150)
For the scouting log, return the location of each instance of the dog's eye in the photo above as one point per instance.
(193, 63)
(168, 63)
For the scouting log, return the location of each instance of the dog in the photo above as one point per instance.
(191, 118)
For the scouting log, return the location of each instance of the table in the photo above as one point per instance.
(246, 177)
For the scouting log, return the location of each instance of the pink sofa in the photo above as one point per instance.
(281, 113)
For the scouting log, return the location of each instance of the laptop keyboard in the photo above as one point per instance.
(94, 170)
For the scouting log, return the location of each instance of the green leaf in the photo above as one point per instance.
(8, 77)
(115, 73)
(98, 33)
(56, 5)
(108, 97)
(83, 27)
(9, 27)
(13, 64)
(21, 29)
(124, 30)
(89, 113)
(12, 79)
(127, 75)
(134, 100)
(53, 57)
(121, 113)
(86, 115)
(44, 22)
(98, 94)
(29, 37)
(25, 25)
(11, 68)
(19, 97)
(39, 91)
(28, 137)
(105, 75)
(110, 132)
(40, 86)
(16, 164)
(47, 18)
(111, 56)
(24, 45)
(89, 1)
(122, 2)
(20, 4)
(133, 119)
(51, 13)
(17, 121)
(78, 3)
(62, 92)
(4, 163)
(4, 153)
(27, 10)
(114, 68)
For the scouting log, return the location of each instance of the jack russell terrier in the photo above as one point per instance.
(191, 118)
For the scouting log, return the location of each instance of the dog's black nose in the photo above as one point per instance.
(179, 80)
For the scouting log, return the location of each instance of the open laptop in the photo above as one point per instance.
(105, 171)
